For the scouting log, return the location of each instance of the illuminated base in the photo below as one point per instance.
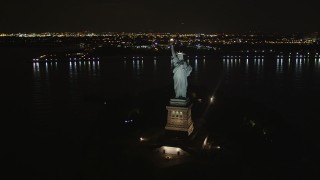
(179, 116)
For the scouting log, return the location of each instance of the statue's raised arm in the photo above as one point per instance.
(174, 55)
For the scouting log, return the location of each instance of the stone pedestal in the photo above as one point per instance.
(179, 116)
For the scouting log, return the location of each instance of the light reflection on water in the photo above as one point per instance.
(140, 73)
(51, 75)
(154, 65)
(284, 63)
(255, 63)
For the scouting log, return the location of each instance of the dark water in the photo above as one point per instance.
(65, 120)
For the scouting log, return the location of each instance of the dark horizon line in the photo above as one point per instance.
(226, 32)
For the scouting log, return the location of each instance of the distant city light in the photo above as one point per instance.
(211, 99)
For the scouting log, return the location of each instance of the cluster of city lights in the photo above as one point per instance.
(198, 40)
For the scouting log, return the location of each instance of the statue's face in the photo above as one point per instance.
(180, 56)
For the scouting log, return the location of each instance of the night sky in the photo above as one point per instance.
(194, 16)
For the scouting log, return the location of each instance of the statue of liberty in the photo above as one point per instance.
(181, 71)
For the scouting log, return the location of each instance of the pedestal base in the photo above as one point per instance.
(179, 116)
(188, 130)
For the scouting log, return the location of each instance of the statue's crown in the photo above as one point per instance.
(181, 53)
